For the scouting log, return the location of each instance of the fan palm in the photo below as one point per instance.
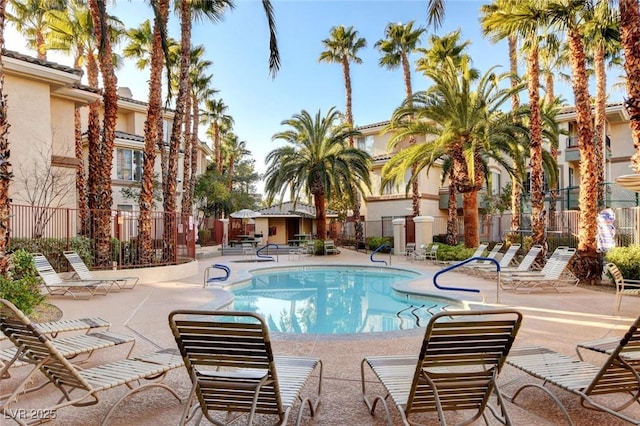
(402, 40)
(29, 18)
(316, 161)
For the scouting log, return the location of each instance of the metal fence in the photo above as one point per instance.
(52, 230)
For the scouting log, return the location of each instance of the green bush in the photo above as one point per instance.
(447, 253)
(21, 285)
(626, 259)
(318, 248)
(375, 242)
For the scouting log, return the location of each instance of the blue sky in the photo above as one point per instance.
(238, 47)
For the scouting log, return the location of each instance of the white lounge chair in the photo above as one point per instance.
(82, 272)
(56, 286)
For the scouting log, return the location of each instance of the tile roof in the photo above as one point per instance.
(53, 65)
(289, 208)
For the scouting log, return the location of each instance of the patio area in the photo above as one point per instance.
(557, 321)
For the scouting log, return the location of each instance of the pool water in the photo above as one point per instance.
(334, 301)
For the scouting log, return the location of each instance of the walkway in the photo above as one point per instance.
(558, 321)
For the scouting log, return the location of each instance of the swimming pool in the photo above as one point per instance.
(335, 299)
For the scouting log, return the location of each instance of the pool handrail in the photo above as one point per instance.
(264, 256)
(380, 247)
(464, 262)
(224, 268)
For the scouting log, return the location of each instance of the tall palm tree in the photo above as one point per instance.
(198, 84)
(342, 48)
(568, 17)
(401, 41)
(460, 114)
(316, 161)
(235, 150)
(512, 40)
(29, 18)
(525, 18)
(148, 45)
(5, 166)
(602, 36)
(72, 31)
(630, 31)
(215, 114)
(101, 30)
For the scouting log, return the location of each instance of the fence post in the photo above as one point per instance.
(68, 230)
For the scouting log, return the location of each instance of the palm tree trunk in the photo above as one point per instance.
(630, 29)
(550, 97)
(415, 187)
(516, 189)
(535, 150)
(471, 220)
(81, 188)
(152, 128)
(94, 143)
(5, 165)
(186, 161)
(452, 216)
(321, 215)
(110, 98)
(586, 265)
(347, 86)
(216, 147)
(176, 132)
(600, 122)
(195, 142)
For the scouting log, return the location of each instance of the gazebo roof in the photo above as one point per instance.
(291, 209)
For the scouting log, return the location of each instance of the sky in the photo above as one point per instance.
(238, 46)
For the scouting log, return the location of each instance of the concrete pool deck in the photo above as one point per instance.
(557, 321)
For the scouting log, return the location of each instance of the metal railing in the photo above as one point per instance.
(52, 230)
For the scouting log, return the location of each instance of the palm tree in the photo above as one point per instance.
(462, 122)
(5, 165)
(401, 41)
(215, 114)
(72, 31)
(602, 36)
(101, 30)
(512, 40)
(29, 18)
(146, 45)
(630, 31)
(316, 161)
(568, 17)
(200, 90)
(342, 47)
(525, 18)
(234, 150)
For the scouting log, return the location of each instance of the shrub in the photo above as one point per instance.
(21, 285)
(375, 242)
(453, 253)
(318, 248)
(626, 259)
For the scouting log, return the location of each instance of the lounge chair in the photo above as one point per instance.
(617, 376)
(420, 253)
(330, 247)
(53, 328)
(248, 251)
(469, 266)
(408, 249)
(523, 267)
(553, 276)
(432, 253)
(54, 285)
(504, 262)
(77, 387)
(624, 287)
(82, 272)
(457, 367)
(232, 368)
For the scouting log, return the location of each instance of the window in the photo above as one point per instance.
(545, 183)
(129, 164)
(125, 207)
(166, 131)
(366, 144)
(571, 177)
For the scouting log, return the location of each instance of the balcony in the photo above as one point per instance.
(572, 153)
